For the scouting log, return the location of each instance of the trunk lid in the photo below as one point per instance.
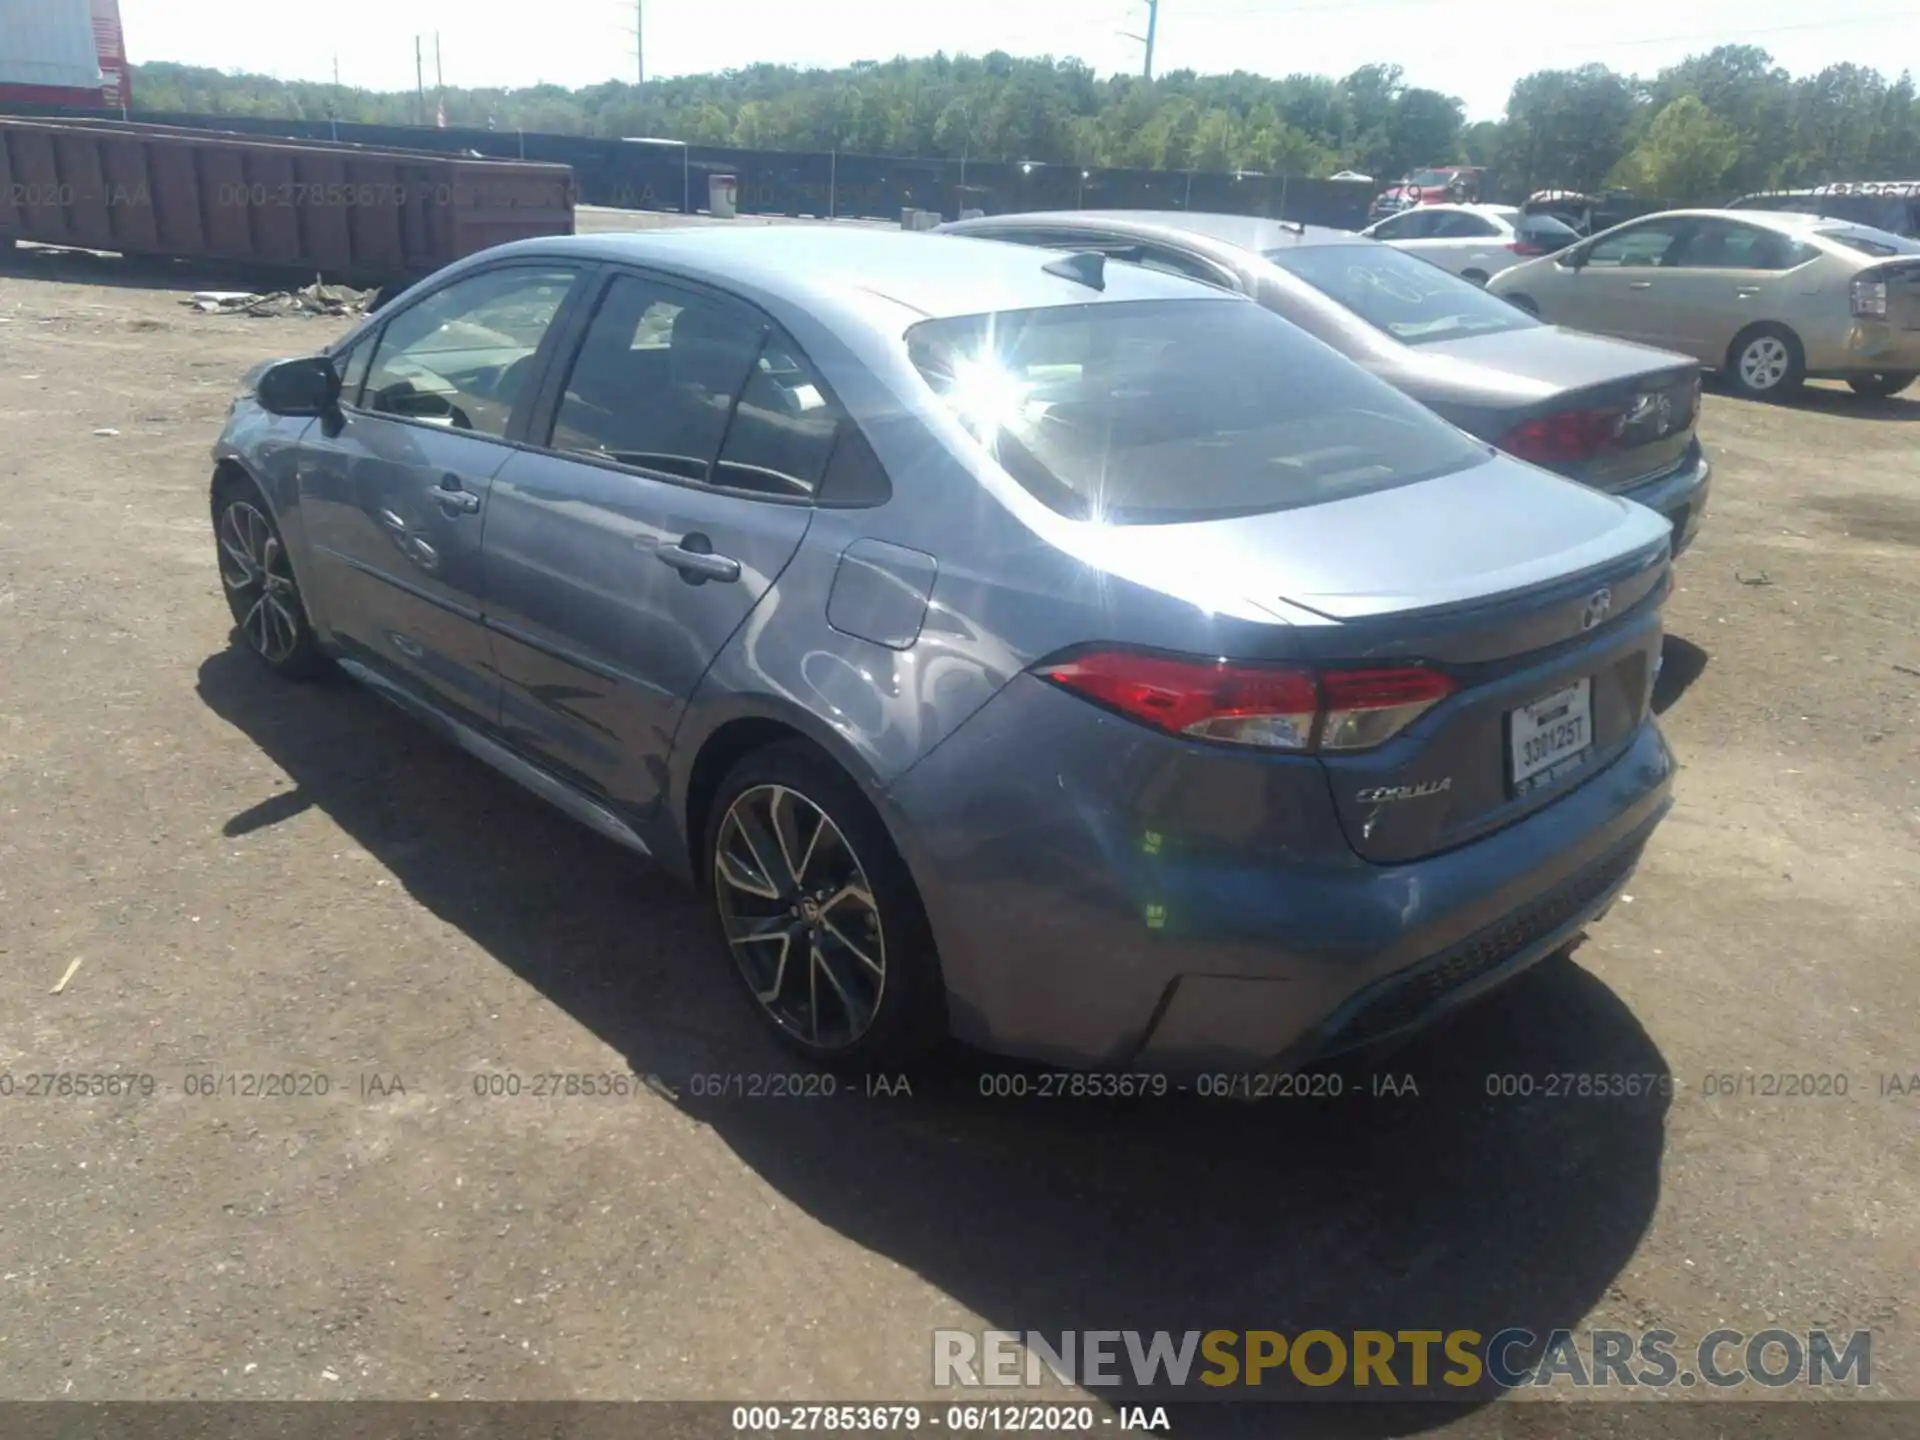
(1652, 397)
(1518, 585)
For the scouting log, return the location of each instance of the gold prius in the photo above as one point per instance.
(1768, 299)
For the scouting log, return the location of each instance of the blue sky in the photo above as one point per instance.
(1471, 48)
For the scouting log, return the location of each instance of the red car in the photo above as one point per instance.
(1442, 184)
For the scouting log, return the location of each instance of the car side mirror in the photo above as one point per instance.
(306, 386)
(1572, 259)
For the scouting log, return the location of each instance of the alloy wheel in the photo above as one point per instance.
(800, 916)
(259, 580)
(1765, 362)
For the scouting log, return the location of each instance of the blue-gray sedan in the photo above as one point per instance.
(1073, 658)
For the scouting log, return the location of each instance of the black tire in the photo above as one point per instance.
(1478, 277)
(1526, 303)
(1766, 362)
(860, 1020)
(256, 574)
(1884, 385)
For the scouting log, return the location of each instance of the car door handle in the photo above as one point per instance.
(693, 557)
(1747, 292)
(1639, 284)
(456, 496)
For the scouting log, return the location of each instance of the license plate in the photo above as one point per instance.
(1551, 735)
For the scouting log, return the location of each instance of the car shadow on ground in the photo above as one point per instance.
(1456, 1207)
(1837, 399)
(1681, 663)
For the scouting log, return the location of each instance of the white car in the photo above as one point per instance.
(1475, 242)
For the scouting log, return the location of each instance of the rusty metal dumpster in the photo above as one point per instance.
(361, 215)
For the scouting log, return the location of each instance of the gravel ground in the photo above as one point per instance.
(253, 878)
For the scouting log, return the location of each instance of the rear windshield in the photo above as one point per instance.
(1154, 412)
(1412, 300)
(1869, 241)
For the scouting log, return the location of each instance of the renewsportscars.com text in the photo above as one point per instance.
(1377, 1361)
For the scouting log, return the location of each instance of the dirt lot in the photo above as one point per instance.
(256, 878)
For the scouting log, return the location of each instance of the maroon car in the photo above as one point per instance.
(1439, 185)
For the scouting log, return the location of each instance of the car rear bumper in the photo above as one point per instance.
(1863, 347)
(1680, 495)
(1101, 901)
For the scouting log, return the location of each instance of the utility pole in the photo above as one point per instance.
(439, 85)
(639, 42)
(1153, 24)
(420, 78)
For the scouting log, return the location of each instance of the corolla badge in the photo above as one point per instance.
(1599, 606)
(1386, 794)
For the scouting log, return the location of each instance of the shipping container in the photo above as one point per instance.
(49, 53)
(355, 214)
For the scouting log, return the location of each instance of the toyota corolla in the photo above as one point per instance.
(1073, 658)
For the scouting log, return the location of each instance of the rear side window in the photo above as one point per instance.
(783, 430)
(1172, 262)
(656, 379)
(1155, 412)
(1722, 245)
(1869, 241)
(1410, 225)
(1545, 230)
(1464, 225)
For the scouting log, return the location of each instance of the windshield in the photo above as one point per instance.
(1430, 177)
(1415, 302)
(1869, 241)
(1153, 412)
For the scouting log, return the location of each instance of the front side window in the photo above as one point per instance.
(1145, 412)
(1409, 225)
(1414, 302)
(462, 357)
(1634, 246)
(656, 378)
(352, 364)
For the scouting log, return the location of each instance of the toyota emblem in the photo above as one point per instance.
(1599, 604)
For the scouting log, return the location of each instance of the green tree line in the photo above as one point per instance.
(1724, 122)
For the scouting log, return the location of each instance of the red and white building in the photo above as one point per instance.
(64, 52)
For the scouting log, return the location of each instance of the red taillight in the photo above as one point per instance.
(1281, 707)
(1526, 249)
(1366, 707)
(1563, 438)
